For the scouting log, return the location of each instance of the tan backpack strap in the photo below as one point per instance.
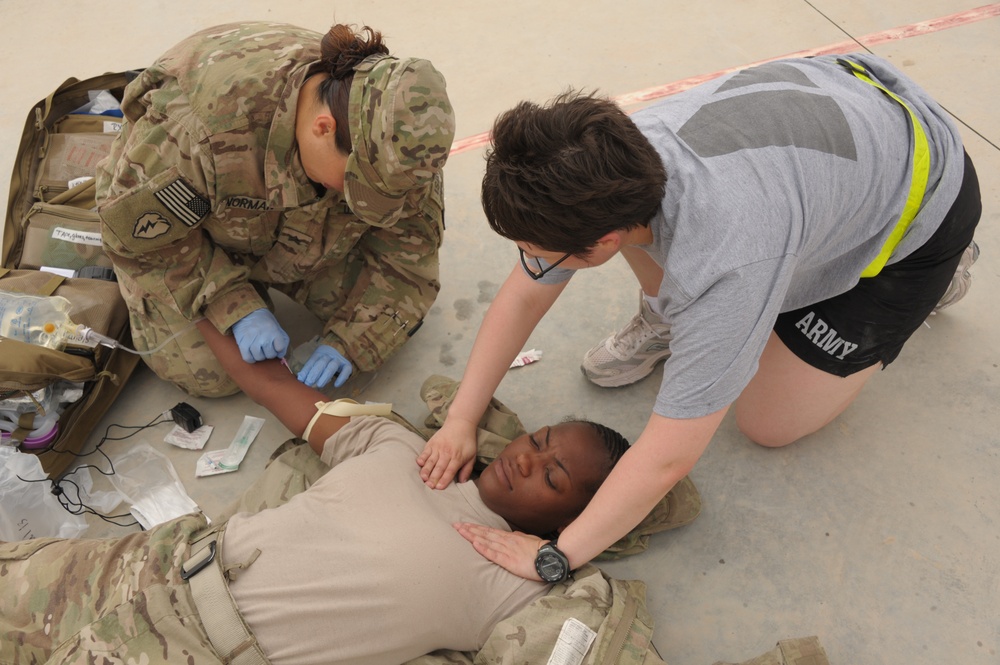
(50, 286)
(25, 424)
(47, 289)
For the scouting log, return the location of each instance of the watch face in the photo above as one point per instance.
(550, 567)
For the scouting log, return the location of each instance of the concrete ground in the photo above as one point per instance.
(880, 533)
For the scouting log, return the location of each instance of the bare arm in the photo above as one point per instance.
(509, 321)
(270, 384)
(664, 453)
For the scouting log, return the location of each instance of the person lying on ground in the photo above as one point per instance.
(363, 567)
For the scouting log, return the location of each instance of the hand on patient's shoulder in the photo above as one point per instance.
(451, 451)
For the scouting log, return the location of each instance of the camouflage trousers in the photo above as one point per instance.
(102, 601)
(185, 358)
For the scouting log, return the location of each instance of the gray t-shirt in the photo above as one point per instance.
(783, 183)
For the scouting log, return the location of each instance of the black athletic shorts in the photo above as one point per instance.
(881, 312)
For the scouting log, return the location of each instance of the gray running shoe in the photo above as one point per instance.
(631, 353)
(962, 280)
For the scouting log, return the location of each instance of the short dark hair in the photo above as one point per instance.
(562, 176)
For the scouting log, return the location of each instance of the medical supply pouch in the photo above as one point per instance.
(51, 218)
(52, 246)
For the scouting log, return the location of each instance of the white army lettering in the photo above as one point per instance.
(830, 342)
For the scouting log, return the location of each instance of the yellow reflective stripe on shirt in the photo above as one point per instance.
(918, 177)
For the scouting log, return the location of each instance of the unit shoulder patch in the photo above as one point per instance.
(154, 214)
(150, 225)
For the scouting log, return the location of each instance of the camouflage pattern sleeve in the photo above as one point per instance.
(614, 609)
(154, 200)
(396, 283)
(108, 600)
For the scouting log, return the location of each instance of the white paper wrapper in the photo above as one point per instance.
(526, 358)
(195, 440)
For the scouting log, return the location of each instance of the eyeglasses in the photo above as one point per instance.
(540, 271)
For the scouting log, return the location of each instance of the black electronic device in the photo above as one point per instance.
(186, 416)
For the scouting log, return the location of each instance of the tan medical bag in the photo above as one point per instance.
(52, 245)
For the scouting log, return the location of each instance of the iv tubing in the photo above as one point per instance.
(89, 335)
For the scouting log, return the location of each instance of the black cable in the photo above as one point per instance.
(107, 437)
(76, 506)
(834, 24)
(861, 45)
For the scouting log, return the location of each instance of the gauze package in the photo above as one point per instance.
(148, 481)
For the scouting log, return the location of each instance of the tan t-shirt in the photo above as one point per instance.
(364, 567)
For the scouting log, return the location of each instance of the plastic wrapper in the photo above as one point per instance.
(148, 481)
(225, 461)
(29, 509)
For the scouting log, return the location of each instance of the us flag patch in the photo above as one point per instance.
(185, 203)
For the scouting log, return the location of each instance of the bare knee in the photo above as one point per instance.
(788, 399)
(764, 433)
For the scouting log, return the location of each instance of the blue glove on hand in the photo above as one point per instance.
(259, 336)
(324, 362)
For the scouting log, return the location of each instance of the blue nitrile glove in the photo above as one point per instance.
(259, 336)
(324, 362)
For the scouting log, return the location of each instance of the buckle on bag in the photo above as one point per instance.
(199, 566)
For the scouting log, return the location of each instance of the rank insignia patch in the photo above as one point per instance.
(185, 203)
(293, 237)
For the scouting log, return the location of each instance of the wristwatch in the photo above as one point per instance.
(551, 564)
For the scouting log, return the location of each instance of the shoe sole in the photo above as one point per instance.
(643, 370)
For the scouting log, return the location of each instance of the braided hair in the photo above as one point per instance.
(615, 444)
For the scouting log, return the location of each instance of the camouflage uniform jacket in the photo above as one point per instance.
(204, 191)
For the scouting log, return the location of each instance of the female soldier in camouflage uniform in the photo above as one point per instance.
(261, 155)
